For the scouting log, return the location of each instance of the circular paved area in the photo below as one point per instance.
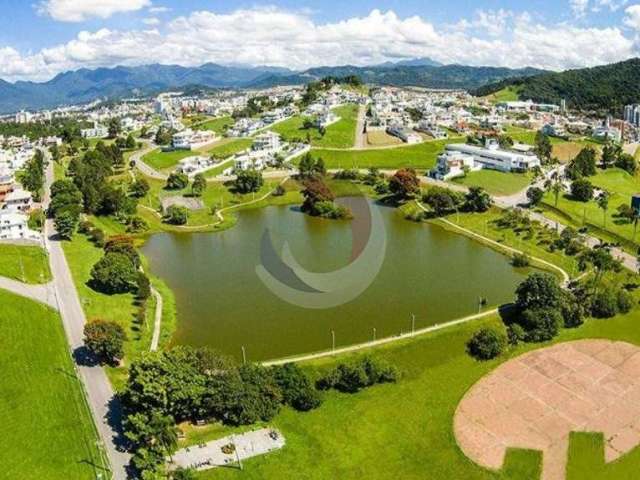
(535, 400)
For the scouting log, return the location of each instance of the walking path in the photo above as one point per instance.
(361, 135)
(104, 406)
(144, 167)
(42, 293)
(157, 324)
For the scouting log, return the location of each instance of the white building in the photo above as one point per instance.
(269, 141)
(194, 165)
(553, 130)
(326, 118)
(257, 160)
(432, 129)
(14, 226)
(490, 156)
(405, 134)
(18, 200)
(23, 117)
(188, 139)
(98, 131)
(454, 164)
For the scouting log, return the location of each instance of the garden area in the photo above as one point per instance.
(25, 263)
(496, 182)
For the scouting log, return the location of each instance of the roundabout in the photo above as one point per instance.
(536, 400)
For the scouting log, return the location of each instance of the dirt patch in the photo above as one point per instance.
(191, 203)
(535, 400)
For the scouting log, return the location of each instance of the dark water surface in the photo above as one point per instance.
(221, 302)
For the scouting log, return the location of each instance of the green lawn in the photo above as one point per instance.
(47, 432)
(217, 125)
(28, 264)
(421, 156)
(495, 182)
(507, 94)
(338, 135)
(165, 160)
(228, 147)
(621, 186)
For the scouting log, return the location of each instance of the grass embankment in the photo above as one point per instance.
(25, 263)
(338, 135)
(380, 138)
(421, 156)
(166, 161)
(507, 94)
(217, 125)
(620, 185)
(495, 182)
(47, 432)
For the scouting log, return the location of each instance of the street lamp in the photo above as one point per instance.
(244, 355)
(333, 340)
(374, 334)
(413, 324)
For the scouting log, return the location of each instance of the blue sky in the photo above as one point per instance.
(42, 38)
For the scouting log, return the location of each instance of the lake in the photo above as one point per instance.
(221, 301)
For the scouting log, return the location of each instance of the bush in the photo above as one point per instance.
(297, 390)
(572, 311)
(352, 377)
(515, 334)
(85, 227)
(625, 301)
(486, 344)
(604, 304)
(520, 260)
(114, 273)
(582, 190)
(176, 215)
(144, 286)
(539, 290)
(105, 339)
(177, 181)
(541, 324)
(534, 195)
(97, 236)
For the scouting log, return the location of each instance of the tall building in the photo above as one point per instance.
(563, 105)
(632, 114)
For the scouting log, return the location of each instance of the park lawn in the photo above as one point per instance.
(341, 134)
(160, 160)
(495, 182)
(47, 430)
(292, 129)
(217, 125)
(227, 147)
(218, 169)
(421, 156)
(25, 263)
(507, 94)
(621, 186)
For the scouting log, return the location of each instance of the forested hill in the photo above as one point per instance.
(607, 87)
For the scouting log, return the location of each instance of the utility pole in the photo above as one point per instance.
(333, 341)
(413, 324)
(374, 334)
(244, 356)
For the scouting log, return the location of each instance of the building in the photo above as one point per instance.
(490, 156)
(18, 200)
(432, 129)
(453, 164)
(256, 160)
(98, 131)
(326, 118)
(194, 165)
(269, 141)
(188, 139)
(14, 226)
(606, 132)
(632, 114)
(554, 130)
(23, 117)
(405, 134)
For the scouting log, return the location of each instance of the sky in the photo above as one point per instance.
(41, 38)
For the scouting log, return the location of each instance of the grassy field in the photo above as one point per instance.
(421, 156)
(217, 125)
(165, 160)
(621, 186)
(46, 428)
(495, 182)
(507, 94)
(229, 146)
(28, 264)
(339, 135)
(380, 138)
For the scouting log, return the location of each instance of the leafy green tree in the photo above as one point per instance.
(627, 162)
(130, 142)
(176, 215)
(139, 188)
(66, 223)
(114, 127)
(105, 339)
(609, 155)
(32, 175)
(123, 244)
(582, 190)
(541, 324)
(583, 165)
(543, 147)
(163, 136)
(486, 343)
(306, 165)
(534, 195)
(248, 181)
(199, 185)
(177, 181)
(539, 290)
(114, 273)
(442, 200)
(603, 203)
(602, 260)
(477, 200)
(296, 387)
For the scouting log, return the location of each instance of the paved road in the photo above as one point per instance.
(42, 293)
(157, 323)
(100, 394)
(142, 166)
(361, 136)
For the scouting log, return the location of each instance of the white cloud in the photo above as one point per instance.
(632, 18)
(277, 37)
(81, 10)
(579, 7)
(156, 10)
(151, 21)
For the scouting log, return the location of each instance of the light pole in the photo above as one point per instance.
(244, 355)
(413, 324)
(374, 334)
(333, 341)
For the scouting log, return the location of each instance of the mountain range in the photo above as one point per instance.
(85, 85)
(606, 88)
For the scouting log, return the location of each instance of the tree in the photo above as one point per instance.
(477, 200)
(130, 142)
(114, 273)
(404, 184)
(114, 127)
(319, 167)
(556, 188)
(296, 387)
(543, 147)
(534, 195)
(315, 191)
(583, 165)
(486, 344)
(32, 175)
(66, 223)
(139, 188)
(176, 215)
(306, 166)
(603, 203)
(582, 190)
(539, 290)
(248, 181)
(602, 261)
(163, 136)
(609, 154)
(199, 185)
(177, 181)
(541, 324)
(627, 162)
(105, 339)
(442, 200)
(123, 244)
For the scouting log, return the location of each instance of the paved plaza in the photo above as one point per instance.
(535, 400)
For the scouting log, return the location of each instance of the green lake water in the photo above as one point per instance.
(222, 303)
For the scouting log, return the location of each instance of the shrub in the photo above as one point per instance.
(625, 301)
(144, 286)
(177, 181)
(541, 324)
(352, 377)
(297, 390)
(114, 273)
(604, 304)
(85, 227)
(539, 290)
(486, 344)
(105, 339)
(515, 334)
(520, 260)
(176, 215)
(582, 190)
(534, 195)
(572, 311)
(97, 236)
